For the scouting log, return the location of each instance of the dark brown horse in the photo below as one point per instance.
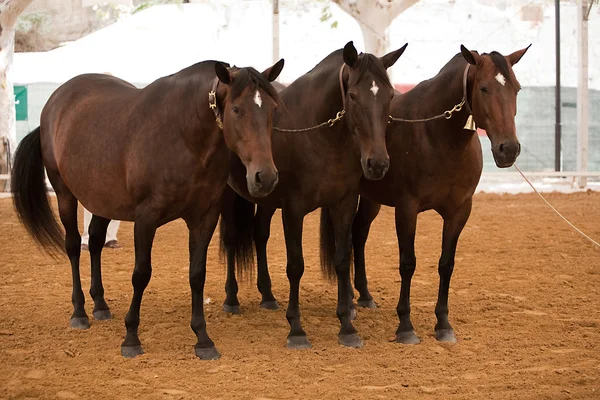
(149, 156)
(437, 165)
(318, 168)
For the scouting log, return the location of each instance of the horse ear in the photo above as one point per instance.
(273, 72)
(472, 57)
(516, 56)
(350, 54)
(390, 58)
(222, 73)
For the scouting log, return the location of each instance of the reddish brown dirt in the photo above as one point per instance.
(524, 302)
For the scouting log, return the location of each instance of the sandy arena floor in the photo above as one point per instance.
(524, 302)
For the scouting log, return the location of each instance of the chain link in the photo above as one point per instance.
(329, 122)
(446, 114)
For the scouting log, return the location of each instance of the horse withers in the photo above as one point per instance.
(332, 134)
(436, 164)
(150, 156)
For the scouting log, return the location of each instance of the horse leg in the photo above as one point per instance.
(67, 209)
(406, 225)
(367, 211)
(97, 229)
(262, 231)
(143, 231)
(228, 240)
(201, 232)
(292, 226)
(341, 218)
(453, 226)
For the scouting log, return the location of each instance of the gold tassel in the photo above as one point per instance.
(470, 125)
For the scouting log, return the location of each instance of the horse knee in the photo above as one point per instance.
(445, 269)
(141, 275)
(407, 267)
(73, 244)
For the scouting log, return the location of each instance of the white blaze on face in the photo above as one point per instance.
(257, 99)
(500, 78)
(374, 89)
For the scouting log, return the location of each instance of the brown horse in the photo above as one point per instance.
(437, 165)
(319, 168)
(149, 156)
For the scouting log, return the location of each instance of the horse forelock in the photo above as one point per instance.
(368, 62)
(500, 62)
(251, 77)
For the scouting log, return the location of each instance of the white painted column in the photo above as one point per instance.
(275, 31)
(582, 91)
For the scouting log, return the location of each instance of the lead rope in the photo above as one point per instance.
(555, 210)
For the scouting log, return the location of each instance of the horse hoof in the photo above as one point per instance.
(352, 340)
(445, 335)
(367, 303)
(298, 343)
(231, 309)
(82, 323)
(409, 337)
(102, 315)
(207, 353)
(131, 351)
(270, 305)
(353, 314)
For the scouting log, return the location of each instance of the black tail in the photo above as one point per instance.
(28, 185)
(327, 239)
(237, 234)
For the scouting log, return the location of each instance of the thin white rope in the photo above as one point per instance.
(555, 210)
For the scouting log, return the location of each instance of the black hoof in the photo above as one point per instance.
(409, 337)
(353, 314)
(298, 342)
(231, 309)
(102, 315)
(82, 323)
(270, 305)
(207, 353)
(131, 351)
(367, 303)
(352, 340)
(446, 335)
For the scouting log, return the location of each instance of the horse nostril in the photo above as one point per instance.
(257, 177)
(369, 164)
(501, 148)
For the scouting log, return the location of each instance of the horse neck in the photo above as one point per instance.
(316, 110)
(196, 121)
(444, 92)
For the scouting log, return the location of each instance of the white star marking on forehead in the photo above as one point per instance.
(374, 89)
(257, 99)
(500, 78)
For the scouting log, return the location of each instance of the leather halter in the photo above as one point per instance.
(465, 98)
(342, 87)
(212, 103)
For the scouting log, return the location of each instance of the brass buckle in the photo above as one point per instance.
(212, 100)
(219, 123)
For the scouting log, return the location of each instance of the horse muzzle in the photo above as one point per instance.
(262, 182)
(376, 168)
(506, 153)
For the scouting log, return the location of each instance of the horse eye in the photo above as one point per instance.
(483, 89)
(352, 96)
(235, 110)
